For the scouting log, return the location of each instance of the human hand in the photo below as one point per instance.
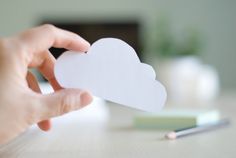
(21, 103)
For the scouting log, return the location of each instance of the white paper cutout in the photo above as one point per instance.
(112, 70)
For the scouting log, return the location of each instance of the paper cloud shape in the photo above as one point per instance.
(112, 70)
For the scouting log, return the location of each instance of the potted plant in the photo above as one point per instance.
(179, 66)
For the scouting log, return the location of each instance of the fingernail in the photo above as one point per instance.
(84, 41)
(86, 98)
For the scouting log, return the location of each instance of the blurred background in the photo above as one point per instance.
(190, 44)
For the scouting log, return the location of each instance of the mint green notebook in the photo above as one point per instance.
(175, 119)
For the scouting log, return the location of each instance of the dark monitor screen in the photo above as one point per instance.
(92, 31)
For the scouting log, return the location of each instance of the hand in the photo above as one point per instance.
(21, 103)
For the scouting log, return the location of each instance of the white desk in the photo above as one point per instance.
(74, 137)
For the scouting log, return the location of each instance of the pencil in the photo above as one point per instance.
(196, 129)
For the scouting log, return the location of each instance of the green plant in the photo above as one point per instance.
(166, 45)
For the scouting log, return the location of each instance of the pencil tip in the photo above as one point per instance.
(171, 135)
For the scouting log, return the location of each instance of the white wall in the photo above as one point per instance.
(215, 18)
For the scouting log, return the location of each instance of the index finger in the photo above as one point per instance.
(37, 41)
(41, 38)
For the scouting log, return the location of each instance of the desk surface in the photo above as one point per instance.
(76, 135)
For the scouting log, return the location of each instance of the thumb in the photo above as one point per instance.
(63, 101)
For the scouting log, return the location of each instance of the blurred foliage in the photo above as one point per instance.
(167, 45)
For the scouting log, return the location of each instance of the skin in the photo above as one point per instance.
(21, 102)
